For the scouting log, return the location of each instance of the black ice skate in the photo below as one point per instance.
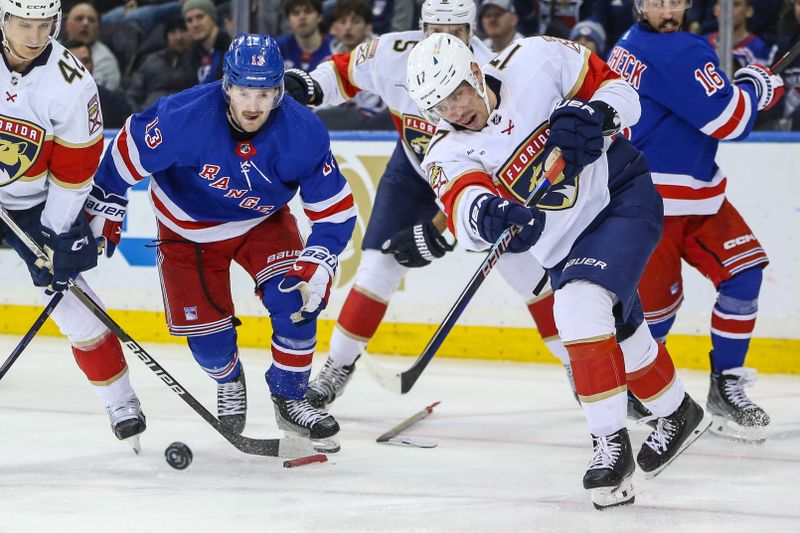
(127, 421)
(638, 412)
(299, 419)
(329, 383)
(672, 435)
(733, 414)
(232, 404)
(610, 471)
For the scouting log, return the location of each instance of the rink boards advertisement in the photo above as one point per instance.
(762, 184)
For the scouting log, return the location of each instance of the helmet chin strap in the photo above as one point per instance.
(7, 47)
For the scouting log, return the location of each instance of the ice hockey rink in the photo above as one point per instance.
(512, 447)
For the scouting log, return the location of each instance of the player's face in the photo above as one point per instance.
(461, 31)
(251, 106)
(27, 37)
(666, 16)
(464, 107)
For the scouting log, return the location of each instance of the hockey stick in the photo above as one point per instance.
(786, 59)
(402, 382)
(265, 447)
(391, 435)
(26, 340)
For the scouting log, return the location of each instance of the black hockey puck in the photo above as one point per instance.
(178, 455)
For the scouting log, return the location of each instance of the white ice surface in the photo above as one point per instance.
(512, 449)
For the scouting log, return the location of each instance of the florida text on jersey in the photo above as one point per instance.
(51, 136)
(529, 78)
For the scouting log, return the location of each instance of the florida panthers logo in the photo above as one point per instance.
(521, 172)
(417, 133)
(20, 145)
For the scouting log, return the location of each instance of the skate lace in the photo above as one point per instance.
(230, 398)
(606, 452)
(660, 438)
(302, 413)
(734, 391)
(331, 380)
(124, 409)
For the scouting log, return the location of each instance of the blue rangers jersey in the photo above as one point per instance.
(207, 187)
(688, 105)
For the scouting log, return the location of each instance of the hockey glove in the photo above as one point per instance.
(769, 87)
(490, 215)
(577, 128)
(312, 275)
(105, 213)
(418, 245)
(302, 87)
(70, 252)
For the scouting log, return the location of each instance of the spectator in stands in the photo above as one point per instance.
(557, 17)
(747, 48)
(306, 47)
(498, 18)
(166, 71)
(615, 16)
(701, 18)
(83, 24)
(790, 34)
(146, 14)
(115, 106)
(352, 25)
(209, 42)
(591, 35)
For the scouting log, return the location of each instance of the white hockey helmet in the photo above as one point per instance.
(31, 9)
(437, 66)
(449, 12)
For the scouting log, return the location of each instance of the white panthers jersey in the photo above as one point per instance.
(51, 136)
(379, 66)
(529, 78)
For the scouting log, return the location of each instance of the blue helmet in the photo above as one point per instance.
(253, 60)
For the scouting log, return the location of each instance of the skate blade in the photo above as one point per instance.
(701, 428)
(607, 497)
(728, 429)
(134, 443)
(318, 445)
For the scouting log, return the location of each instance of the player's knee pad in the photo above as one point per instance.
(640, 349)
(739, 294)
(379, 274)
(523, 273)
(74, 319)
(583, 310)
(217, 354)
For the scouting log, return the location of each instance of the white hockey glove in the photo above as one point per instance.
(769, 87)
(312, 275)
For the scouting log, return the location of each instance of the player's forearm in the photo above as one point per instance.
(329, 83)
(63, 206)
(623, 99)
(332, 237)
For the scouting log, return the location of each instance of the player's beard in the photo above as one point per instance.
(650, 27)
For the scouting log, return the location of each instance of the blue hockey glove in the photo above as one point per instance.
(577, 128)
(105, 212)
(70, 253)
(490, 215)
(769, 87)
(312, 275)
(418, 245)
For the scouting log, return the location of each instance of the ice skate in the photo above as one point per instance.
(299, 419)
(672, 435)
(329, 383)
(127, 421)
(734, 415)
(610, 471)
(232, 404)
